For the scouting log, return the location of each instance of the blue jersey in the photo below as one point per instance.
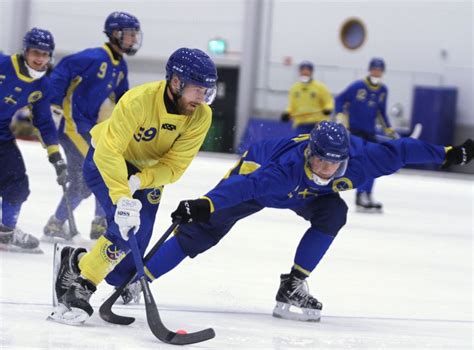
(82, 81)
(364, 103)
(17, 90)
(274, 172)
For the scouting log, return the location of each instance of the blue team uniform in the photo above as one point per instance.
(17, 90)
(81, 82)
(274, 174)
(364, 103)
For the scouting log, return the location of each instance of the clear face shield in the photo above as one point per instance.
(130, 40)
(324, 171)
(198, 94)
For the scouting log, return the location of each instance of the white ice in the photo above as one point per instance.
(398, 280)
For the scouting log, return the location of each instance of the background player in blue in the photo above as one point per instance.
(364, 103)
(23, 83)
(80, 84)
(304, 175)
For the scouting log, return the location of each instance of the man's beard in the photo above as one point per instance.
(183, 108)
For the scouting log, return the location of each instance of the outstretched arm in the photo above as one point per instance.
(388, 157)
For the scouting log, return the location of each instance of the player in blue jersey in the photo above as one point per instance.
(81, 83)
(360, 107)
(304, 175)
(23, 83)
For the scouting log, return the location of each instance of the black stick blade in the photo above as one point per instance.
(106, 313)
(160, 331)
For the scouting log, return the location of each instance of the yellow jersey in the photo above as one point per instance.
(142, 132)
(307, 102)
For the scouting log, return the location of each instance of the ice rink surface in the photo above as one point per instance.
(398, 280)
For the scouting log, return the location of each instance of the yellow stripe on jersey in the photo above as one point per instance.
(248, 167)
(16, 66)
(70, 128)
(142, 132)
(111, 55)
(307, 102)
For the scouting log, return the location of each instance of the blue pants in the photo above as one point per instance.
(77, 190)
(14, 185)
(327, 215)
(369, 184)
(150, 199)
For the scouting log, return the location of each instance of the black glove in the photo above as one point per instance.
(192, 210)
(459, 155)
(285, 117)
(60, 167)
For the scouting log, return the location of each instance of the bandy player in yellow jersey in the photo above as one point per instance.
(151, 138)
(309, 101)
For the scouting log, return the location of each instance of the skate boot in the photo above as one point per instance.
(365, 204)
(294, 294)
(98, 227)
(14, 239)
(74, 307)
(55, 230)
(132, 293)
(66, 269)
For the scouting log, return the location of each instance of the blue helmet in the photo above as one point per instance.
(120, 20)
(306, 64)
(40, 39)
(377, 63)
(329, 141)
(192, 66)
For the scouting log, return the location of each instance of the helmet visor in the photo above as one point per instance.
(130, 40)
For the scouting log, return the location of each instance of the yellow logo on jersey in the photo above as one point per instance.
(361, 94)
(342, 184)
(154, 196)
(35, 96)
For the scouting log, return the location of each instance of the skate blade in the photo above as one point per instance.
(16, 249)
(71, 317)
(369, 210)
(283, 310)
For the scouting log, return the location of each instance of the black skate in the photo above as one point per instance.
(294, 294)
(65, 269)
(365, 203)
(74, 307)
(132, 293)
(56, 231)
(98, 227)
(15, 240)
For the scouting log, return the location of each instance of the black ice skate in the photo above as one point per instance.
(294, 294)
(365, 203)
(98, 227)
(74, 307)
(15, 240)
(56, 231)
(65, 269)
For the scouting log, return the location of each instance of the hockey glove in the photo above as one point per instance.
(285, 117)
(198, 210)
(60, 166)
(127, 216)
(459, 155)
(327, 111)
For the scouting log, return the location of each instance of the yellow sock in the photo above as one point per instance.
(100, 261)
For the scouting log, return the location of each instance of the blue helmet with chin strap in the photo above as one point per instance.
(377, 63)
(329, 141)
(40, 39)
(120, 20)
(192, 66)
